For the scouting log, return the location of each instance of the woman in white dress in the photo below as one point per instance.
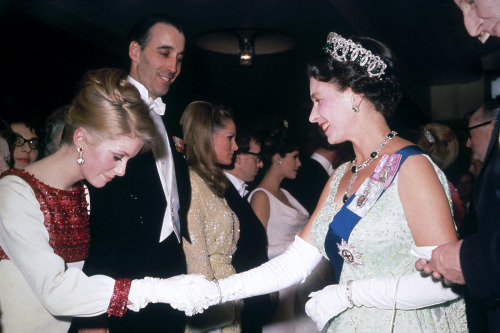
(280, 213)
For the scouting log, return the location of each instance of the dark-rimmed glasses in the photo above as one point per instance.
(259, 156)
(478, 125)
(19, 141)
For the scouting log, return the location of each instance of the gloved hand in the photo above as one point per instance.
(327, 303)
(187, 293)
(408, 292)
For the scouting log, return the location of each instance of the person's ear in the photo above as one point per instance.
(134, 50)
(80, 137)
(237, 159)
(277, 159)
(357, 99)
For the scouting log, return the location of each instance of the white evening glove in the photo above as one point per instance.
(408, 292)
(285, 270)
(183, 292)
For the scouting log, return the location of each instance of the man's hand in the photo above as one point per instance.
(444, 263)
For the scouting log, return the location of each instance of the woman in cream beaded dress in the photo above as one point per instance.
(376, 215)
(209, 138)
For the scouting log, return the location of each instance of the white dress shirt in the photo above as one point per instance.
(240, 185)
(164, 163)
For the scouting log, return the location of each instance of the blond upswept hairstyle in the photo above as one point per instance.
(438, 141)
(200, 121)
(107, 105)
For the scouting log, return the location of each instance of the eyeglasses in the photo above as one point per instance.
(259, 156)
(478, 125)
(19, 141)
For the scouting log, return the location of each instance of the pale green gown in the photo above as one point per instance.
(384, 240)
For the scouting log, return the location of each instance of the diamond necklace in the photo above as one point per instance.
(373, 156)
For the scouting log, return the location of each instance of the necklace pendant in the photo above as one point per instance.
(345, 198)
(353, 169)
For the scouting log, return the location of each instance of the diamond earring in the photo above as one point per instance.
(80, 159)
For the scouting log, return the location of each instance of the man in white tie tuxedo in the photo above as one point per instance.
(137, 221)
(251, 250)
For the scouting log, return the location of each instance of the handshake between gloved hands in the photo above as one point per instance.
(191, 293)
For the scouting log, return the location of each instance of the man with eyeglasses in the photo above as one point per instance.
(251, 250)
(475, 260)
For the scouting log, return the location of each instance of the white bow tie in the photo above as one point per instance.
(157, 106)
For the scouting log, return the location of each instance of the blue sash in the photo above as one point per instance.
(358, 205)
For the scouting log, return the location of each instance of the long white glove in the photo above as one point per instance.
(181, 292)
(412, 291)
(287, 269)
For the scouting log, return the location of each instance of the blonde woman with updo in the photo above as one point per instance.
(44, 230)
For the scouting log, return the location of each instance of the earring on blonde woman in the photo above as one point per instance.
(80, 159)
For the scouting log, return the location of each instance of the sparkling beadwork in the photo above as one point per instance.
(118, 303)
(66, 217)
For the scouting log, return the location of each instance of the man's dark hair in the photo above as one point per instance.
(243, 140)
(140, 30)
(490, 110)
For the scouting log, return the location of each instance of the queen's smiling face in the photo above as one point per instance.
(332, 110)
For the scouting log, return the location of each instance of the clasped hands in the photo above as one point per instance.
(444, 264)
(191, 293)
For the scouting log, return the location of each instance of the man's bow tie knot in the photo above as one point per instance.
(157, 106)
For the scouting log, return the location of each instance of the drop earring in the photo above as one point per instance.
(80, 159)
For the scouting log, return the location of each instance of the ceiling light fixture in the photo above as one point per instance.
(245, 42)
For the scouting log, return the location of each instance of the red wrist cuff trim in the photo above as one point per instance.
(118, 303)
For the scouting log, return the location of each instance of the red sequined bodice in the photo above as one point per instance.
(66, 217)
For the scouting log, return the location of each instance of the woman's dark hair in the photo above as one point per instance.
(384, 92)
(276, 138)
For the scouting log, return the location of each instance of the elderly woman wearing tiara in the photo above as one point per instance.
(376, 213)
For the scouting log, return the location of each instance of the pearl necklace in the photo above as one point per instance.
(373, 156)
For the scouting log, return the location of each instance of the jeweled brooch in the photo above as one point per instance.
(349, 253)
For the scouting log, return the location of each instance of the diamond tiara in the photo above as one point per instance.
(342, 49)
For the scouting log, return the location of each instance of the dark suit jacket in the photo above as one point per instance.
(251, 251)
(480, 252)
(307, 187)
(125, 221)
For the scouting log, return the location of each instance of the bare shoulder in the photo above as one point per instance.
(259, 196)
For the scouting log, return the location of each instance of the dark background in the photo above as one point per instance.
(48, 45)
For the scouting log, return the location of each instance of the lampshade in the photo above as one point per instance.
(245, 42)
